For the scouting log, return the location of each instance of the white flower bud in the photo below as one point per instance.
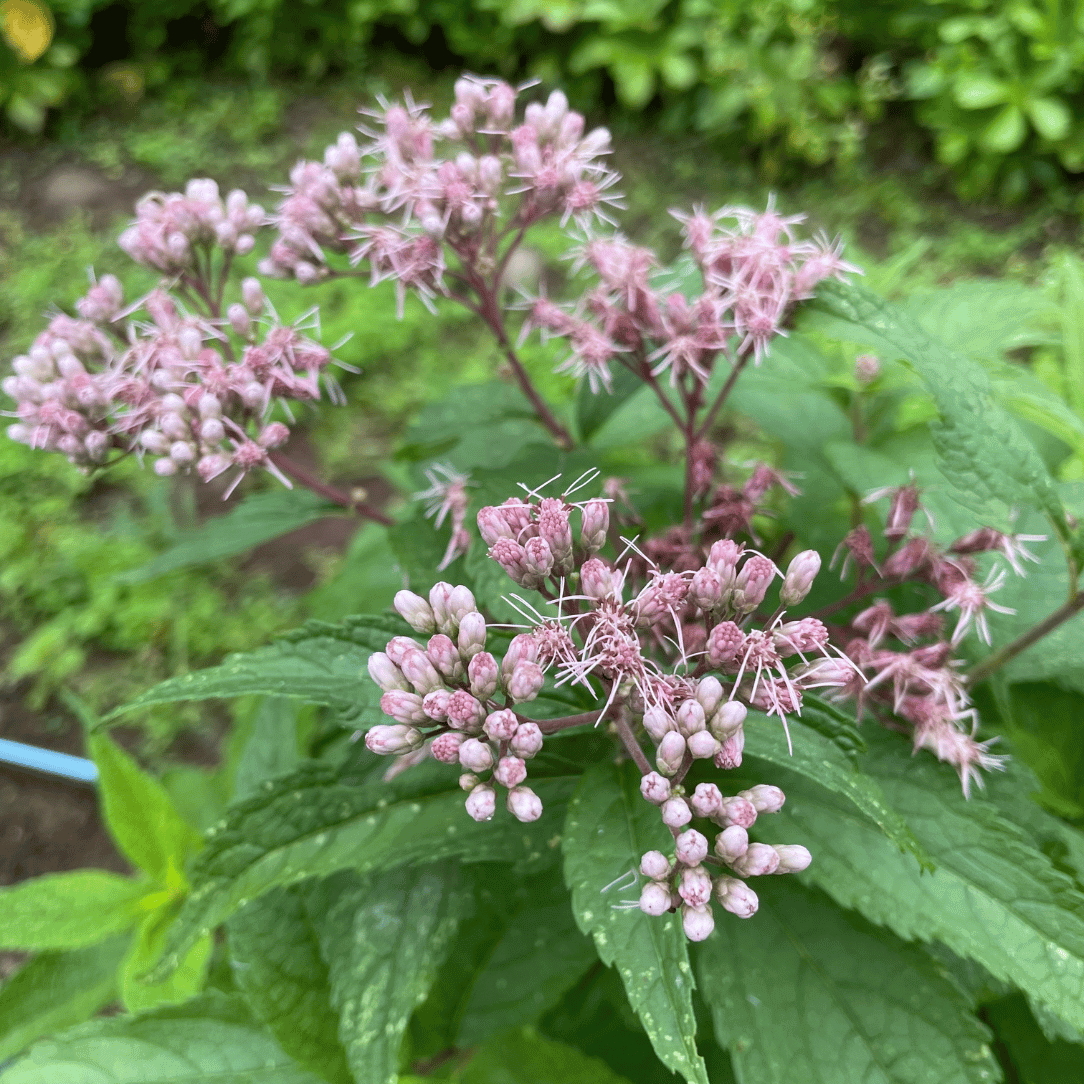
(676, 813)
(706, 800)
(483, 674)
(801, 573)
(476, 755)
(670, 753)
(697, 922)
(654, 899)
(736, 897)
(482, 802)
(703, 745)
(526, 681)
(403, 707)
(510, 772)
(253, 296)
(444, 655)
(655, 788)
(709, 693)
(415, 611)
(759, 860)
(419, 670)
(524, 804)
(793, 857)
(691, 847)
(445, 747)
(385, 673)
(655, 866)
(731, 843)
(690, 717)
(596, 525)
(657, 723)
(527, 740)
(728, 719)
(764, 798)
(695, 886)
(472, 635)
(393, 740)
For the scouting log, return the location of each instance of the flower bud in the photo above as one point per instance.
(465, 712)
(729, 756)
(445, 747)
(554, 527)
(442, 653)
(596, 525)
(527, 740)
(793, 857)
(706, 589)
(599, 581)
(697, 922)
(239, 319)
(654, 899)
(867, 367)
(728, 720)
(707, 800)
(703, 745)
(403, 707)
(695, 886)
(724, 644)
(460, 603)
(690, 717)
(253, 296)
(751, 583)
(483, 674)
(510, 771)
(393, 740)
(691, 847)
(435, 704)
(676, 813)
(655, 866)
(386, 674)
(736, 810)
(399, 646)
(764, 798)
(657, 723)
(472, 635)
(523, 647)
(731, 843)
(524, 804)
(501, 725)
(736, 897)
(709, 692)
(538, 557)
(801, 573)
(440, 596)
(670, 753)
(723, 558)
(476, 755)
(418, 669)
(655, 788)
(468, 781)
(526, 681)
(482, 802)
(759, 860)
(492, 525)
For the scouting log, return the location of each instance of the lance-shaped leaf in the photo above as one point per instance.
(384, 939)
(210, 1039)
(804, 991)
(609, 827)
(320, 663)
(315, 822)
(993, 897)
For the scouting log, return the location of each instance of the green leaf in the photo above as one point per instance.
(1072, 328)
(522, 1057)
(833, 723)
(256, 519)
(993, 897)
(975, 90)
(1051, 117)
(384, 939)
(271, 748)
(594, 408)
(56, 990)
(609, 827)
(139, 993)
(315, 822)
(67, 910)
(805, 991)
(539, 955)
(211, 1038)
(140, 814)
(276, 961)
(1036, 1059)
(320, 663)
(1005, 132)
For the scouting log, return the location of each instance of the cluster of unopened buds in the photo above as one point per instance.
(179, 375)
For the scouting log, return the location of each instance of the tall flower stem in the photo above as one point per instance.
(304, 477)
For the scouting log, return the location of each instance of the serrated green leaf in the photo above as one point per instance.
(276, 963)
(320, 663)
(139, 993)
(257, 519)
(67, 910)
(211, 1038)
(271, 748)
(383, 940)
(141, 815)
(993, 897)
(523, 1057)
(315, 822)
(609, 826)
(804, 991)
(833, 723)
(57, 990)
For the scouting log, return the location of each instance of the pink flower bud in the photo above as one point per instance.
(523, 647)
(729, 756)
(510, 771)
(690, 717)
(731, 843)
(440, 597)
(706, 589)
(596, 524)
(445, 747)
(599, 581)
(695, 886)
(793, 857)
(655, 788)
(724, 644)
(393, 740)
(691, 847)
(420, 672)
(867, 367)
(468, 781)
(736, 810)
(483, 674)
(751, 583)
(492, 525)
(399, 646)
(670, 753)
(482, 802)
(759, 860)
(476, 755)
(538, 557)
(654, 899)
(697, 922)
(524, 804)
(655, 866)
(676, 813)
(526, 681)
(736, 897)
(703, 745)
(415, 611)
(901, 511)
(727, 721)
(403, 707)
(465, 712)
(435, 704)
(709, 692)
(706, 800)
(460, 603)
(527, 740)
(764, 798)
(657, 723)
(555, 528)
(723, 558)
(385, 673)
(442, 653)
(801, 573)
(799, 637)
(501, 725)
(472, 635)
(512, 557)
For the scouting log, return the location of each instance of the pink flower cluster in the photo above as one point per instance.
(919, 680)
(170, 376)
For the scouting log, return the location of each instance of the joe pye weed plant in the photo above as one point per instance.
(535, 818)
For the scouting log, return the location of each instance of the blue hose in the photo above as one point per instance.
(77, 769)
